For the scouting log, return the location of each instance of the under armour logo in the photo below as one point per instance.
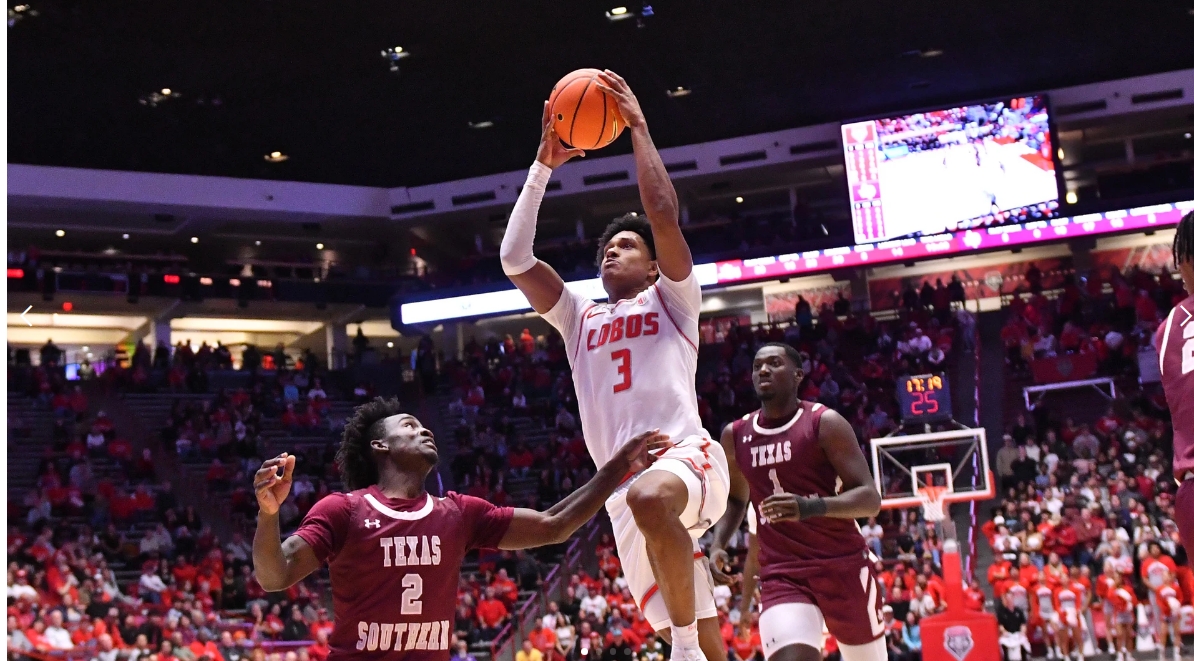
(372, 523)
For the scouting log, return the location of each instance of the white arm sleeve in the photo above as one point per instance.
(516, 252)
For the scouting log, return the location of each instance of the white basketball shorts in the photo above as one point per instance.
(701, 464)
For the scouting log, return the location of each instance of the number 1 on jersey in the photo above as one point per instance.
(622, 356)
(775, 481)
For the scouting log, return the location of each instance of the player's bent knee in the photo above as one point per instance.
(656, 496)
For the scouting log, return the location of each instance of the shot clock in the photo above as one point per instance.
(924, 398)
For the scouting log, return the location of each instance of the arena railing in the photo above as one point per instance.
(554, 584)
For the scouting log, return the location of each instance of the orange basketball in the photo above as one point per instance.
(583, 115)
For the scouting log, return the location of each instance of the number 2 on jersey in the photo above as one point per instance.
(411, 604)
(622, 357)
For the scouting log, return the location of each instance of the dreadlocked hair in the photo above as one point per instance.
(358, 469)
(631, 222)
(1183, 241)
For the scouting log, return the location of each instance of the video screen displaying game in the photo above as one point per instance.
(959, 168)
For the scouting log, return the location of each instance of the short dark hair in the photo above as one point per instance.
(631, 222)
(1183, 240)
(354, 457)
(795, 356)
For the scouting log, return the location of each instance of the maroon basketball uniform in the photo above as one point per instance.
(1175, 349)
(395, 567)
(821, 561)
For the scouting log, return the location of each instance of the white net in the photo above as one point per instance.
(933, 503)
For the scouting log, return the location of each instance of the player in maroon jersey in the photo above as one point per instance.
(799, 464)
(1175, 349)
(393, 549)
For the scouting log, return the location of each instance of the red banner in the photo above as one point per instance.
(1070, 367)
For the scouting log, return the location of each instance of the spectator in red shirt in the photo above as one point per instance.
(319, 650)
(505, 588)
(492, 614)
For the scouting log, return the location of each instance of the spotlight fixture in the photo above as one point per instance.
(1061, 153)
(392, 55)
(739, 199)
(618, 14)
(153, 99)
(483, 124)
(389, 345)
(319, 246)
(18, 13)
(1071, 197)
(932, 52)
(194, 239)
(256, 243)
(124, 236)
(677, 92)
(276, 157)
(60, 233)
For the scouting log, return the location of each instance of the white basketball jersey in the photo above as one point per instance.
(633, 363)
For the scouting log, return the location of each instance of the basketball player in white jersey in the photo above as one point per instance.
(634, 367)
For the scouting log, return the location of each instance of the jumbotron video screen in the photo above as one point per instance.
(959, 168)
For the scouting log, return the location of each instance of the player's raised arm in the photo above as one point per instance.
(654, 185)
(858, 499)
(531, 528)
(536, 280)
(736, 505)
(277, 565)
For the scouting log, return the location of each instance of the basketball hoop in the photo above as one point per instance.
(932, 502)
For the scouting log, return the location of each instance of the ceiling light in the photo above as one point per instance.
(319, 246)
(678, 92)
(1061, 153)
(618, 14)
(90, 355)
(484, 124)
(124, 236)
(1186, 136)
(165, 91)
(392, 55)
(738, 199)
(60, 233)
(276, 157)
(256, 243)
(932, 52)
(86, 348)
(194, 239)
(617, 11)
(1071, 197)
(389, 345)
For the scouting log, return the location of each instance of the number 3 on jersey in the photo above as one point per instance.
(622, 358)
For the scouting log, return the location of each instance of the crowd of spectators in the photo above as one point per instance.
(1089, 497)
(1080, 317)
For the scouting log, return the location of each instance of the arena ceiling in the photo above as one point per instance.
(307, 78)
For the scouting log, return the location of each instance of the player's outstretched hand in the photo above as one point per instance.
(272, 488)
(552, 152)
(719, 564)
(781, 507)
(641, 451)
(615, 85)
